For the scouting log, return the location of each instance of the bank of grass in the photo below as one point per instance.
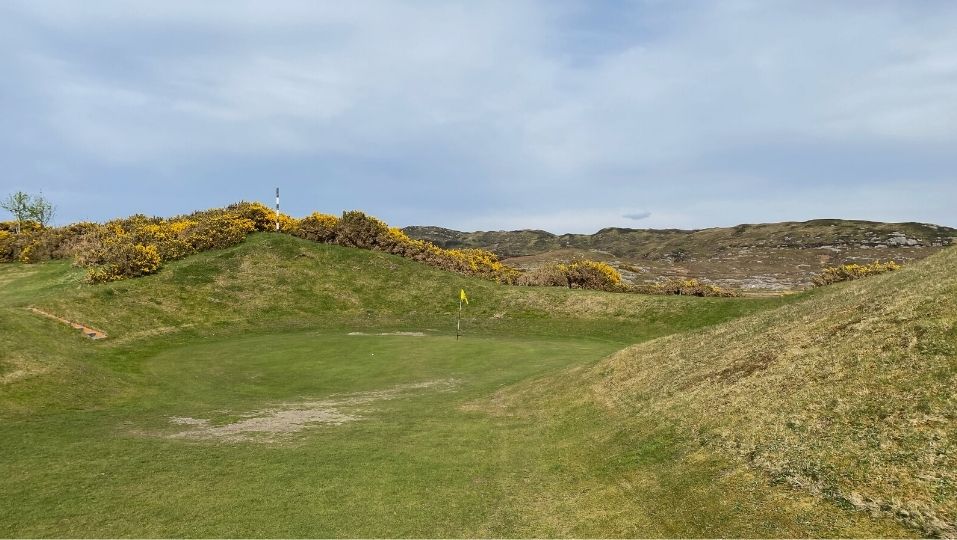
(220, 335)
(849, 394)
(279, 284)
(277, 281)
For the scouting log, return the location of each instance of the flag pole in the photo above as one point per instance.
(458, 322)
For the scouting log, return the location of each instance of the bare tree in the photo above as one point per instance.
(18, 204)
(26, 207)
(42, 210)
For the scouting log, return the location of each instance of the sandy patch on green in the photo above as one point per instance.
(407, 334)
(271, 424)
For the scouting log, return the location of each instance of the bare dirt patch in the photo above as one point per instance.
(268, 425)
(91, 333)
(408, 334)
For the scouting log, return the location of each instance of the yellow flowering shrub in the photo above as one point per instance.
(478, 262)
(6, 246)
(179, 226)
(218, 232)
(26, 253)
(25, 226)
(288, 224)
(356, 229)
(317, 227)
(263, 217)
(138, 245)
(685, 287)
(169, 241)
(588, 274)
(35, 244)
(847, 272)
(125, 259)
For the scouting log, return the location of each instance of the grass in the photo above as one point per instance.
(849, 393)
(516, 446)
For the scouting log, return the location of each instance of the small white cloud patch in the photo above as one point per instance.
(637, 216)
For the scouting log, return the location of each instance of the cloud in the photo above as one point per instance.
(637, 216)
(406, 109)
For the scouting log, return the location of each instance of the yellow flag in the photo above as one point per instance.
(462, 296)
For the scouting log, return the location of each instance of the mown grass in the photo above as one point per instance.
(85, 426)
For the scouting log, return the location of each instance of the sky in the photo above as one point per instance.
(567, 116)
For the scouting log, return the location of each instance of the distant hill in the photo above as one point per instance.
(759, 257)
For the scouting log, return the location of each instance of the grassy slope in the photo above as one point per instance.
(233, 331)
(282, 284)
(850, 394)
(278, 281)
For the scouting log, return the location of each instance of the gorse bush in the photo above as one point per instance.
(118, 257)
(6, 245)
(358, 230)
(25, 226)
(262, 217)
(685, 287)
(138, 245)
(549, 275)
(355, 229)
(847, 272)
(40, 244)
(587, 274)
(580, 273)
(318, 227)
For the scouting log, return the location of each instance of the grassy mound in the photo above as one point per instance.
(278, 283)
(849, 394)
(141, 434)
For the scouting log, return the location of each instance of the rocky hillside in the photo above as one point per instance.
(761, 257)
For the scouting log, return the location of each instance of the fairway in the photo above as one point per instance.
(205, 415)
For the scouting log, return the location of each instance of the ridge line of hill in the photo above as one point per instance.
(751, 257)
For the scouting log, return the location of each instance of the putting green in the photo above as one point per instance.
(410, 462)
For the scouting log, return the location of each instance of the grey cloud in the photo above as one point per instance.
(637, 216)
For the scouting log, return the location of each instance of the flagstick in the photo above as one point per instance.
(458, 322)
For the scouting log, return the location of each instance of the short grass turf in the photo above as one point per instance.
(85, 426)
